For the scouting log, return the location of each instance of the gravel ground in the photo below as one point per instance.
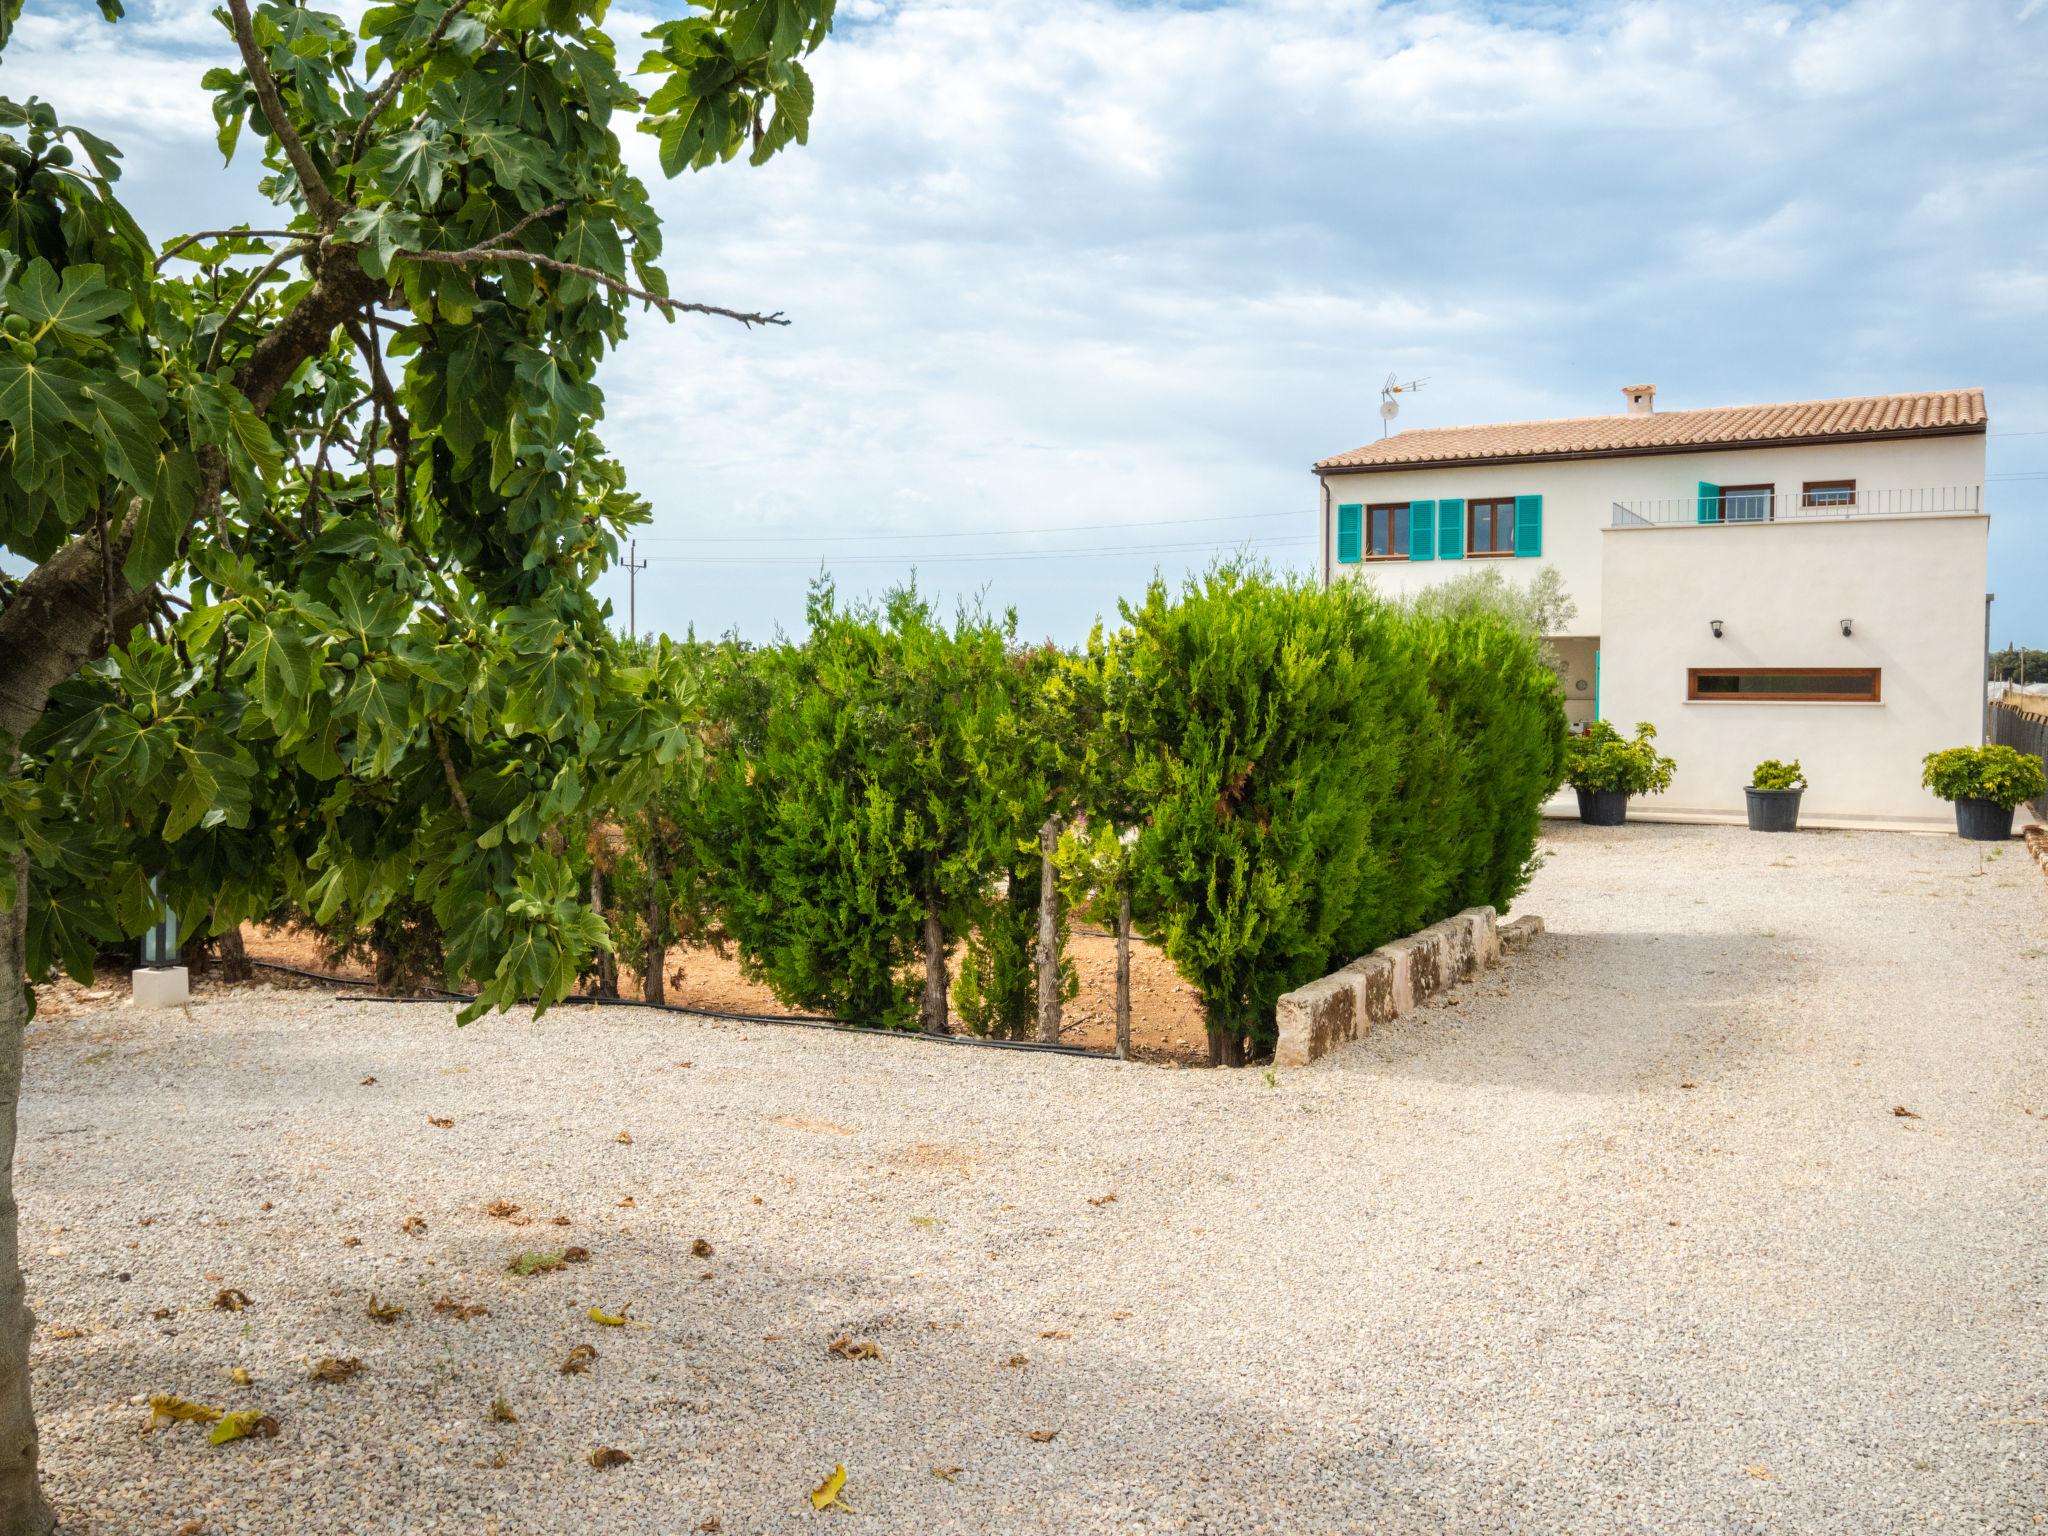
(1629, 1237)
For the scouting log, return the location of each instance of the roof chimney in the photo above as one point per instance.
(1642, 398)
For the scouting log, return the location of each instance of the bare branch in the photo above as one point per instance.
(483, 253)
(320, 198)
(448, 769)
(398, 80)
(229, 234)
(542, 213)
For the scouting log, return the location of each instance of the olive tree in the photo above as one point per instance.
(305, 517)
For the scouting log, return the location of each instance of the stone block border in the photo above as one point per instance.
(1317, 1018)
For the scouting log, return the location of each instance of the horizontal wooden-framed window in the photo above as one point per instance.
(1784, 685)
(1387, 526)
(1828, 493)
(1490, 526)
(1747, 503)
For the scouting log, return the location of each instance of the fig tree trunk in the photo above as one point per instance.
(22, 1510)
(607, 962)
(1048, 933)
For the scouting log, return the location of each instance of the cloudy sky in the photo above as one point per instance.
(1081, 289)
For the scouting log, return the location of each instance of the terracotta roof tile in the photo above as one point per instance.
(1952, 410)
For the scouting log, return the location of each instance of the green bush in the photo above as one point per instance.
(1999, 774)
(854, 806)
(1772, 774)
(1601, 758)
(1321, 771)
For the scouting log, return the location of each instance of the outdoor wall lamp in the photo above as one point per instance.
(1845, 628)
(1715, 626)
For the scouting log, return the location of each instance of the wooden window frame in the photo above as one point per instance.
(1472, 506)
(1874, 696)
(1768, 492)
(1807, 490)
(1390, 508)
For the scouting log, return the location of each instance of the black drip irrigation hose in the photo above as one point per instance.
(801, 1020)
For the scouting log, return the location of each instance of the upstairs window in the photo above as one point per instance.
(1747, 503)
(1828, 493)
(1490, 526)
(1388, 526)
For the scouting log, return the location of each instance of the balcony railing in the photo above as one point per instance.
(1741, 506)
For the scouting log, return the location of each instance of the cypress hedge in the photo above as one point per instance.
(1322, 771)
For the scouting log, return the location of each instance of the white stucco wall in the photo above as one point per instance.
(1914, 591)
(1579, 496)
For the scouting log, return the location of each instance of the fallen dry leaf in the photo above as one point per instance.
(230, 1300)
(240, 1376)
(381, 1313)
(626, 1204)
(368, 1081)
(700, 1249)
(461, 1311)
(190, 1528)
(827, 1494)
(331, 1371)
(68, 1333)
(947, 1474)
(1041, 1435)
(1688, 1085)
(444, 1124)
(575, 1255)
(1015, 1362)
(238, 1426)
(413, 1226)
(1055, 1333)
(166, 1409)
(351, 1242)
(1759, 1471)
(709, 1526)
(505, 1210)
(849, 1348)
(146, 1221)
(501, 1412)
(610, 1319)
(161, 1313)
(264, 1206)
(624, 1138)
(578, 1361)
(1904, 1113)
(1108, 1199)
(608, 1456)
(560, 1221)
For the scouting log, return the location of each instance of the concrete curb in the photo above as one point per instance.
(1344, 1006)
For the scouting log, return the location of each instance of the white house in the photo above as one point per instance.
(1794, 581)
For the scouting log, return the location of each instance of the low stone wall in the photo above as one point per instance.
(1344, 1006)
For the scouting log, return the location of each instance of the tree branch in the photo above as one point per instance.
(320, 198)
(399, 78)
(448, 768)
(242, 299)
(227, 234)
(483, 253)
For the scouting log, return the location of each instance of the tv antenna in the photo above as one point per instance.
(1389, 406)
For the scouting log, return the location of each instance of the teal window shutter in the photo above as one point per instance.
(1421, 530)
(1528, 525)
(1450, 528)
(1350, 534)
(1710, 502)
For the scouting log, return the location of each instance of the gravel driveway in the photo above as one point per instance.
(1628, 1237)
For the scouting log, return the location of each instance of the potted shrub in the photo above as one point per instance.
(1773, 795)
(1606, 767)
(1985, 783)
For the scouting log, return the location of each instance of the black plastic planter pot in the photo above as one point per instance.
(1983, 821)
(1773, 810)
(1605, 807)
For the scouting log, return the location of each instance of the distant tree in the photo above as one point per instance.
(2019, 664)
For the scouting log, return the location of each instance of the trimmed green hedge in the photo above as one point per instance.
(1323, 772)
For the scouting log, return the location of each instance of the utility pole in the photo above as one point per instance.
(634, 566)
